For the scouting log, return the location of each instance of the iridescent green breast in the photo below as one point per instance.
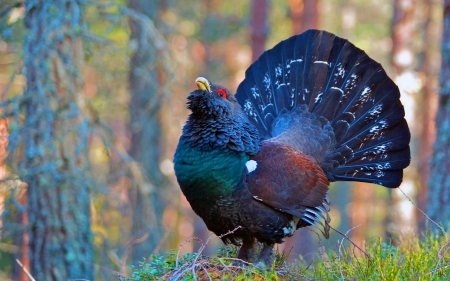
(208, 174)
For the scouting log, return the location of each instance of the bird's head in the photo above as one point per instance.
(211, 99)
(218, 121)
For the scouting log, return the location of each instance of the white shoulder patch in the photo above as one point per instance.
(251, 165)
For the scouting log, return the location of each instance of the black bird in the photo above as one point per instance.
(312, 110)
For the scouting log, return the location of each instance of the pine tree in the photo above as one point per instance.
(54, 137)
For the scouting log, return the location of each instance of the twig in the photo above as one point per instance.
(175, 275)
(351, 242)
(340, 252)
(327, 261)
(161, 242)
(200, 250)
(239, 260)
(206, 272)
(121, 262)
(440, 257)
(434, 270)
(316, 233)
(184, 243)
(348, 231)
(25, 270)
(423, 213)
(240, 267)
(230, 232)
(194, 263)
(193, 271)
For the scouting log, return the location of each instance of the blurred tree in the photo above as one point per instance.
(145, 84)
(259, 27)
(427, 111)
(53, 134)
(304, 15)
(438, 207)
(402, 35)
(403, 59)
(12, 219)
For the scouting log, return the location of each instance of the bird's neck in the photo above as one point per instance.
(208, 174)
(224, 133)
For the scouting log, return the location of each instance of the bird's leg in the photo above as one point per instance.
(266, 257)
(248, 250)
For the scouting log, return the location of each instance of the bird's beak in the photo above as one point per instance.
(203, 84)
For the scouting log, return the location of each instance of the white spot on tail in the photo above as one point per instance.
(376, 110)
(297, 60)
(250, 110)
(266, 81)
(340, 71)
(278, 71)
(366, 92)
(282, 84)
(381, 125)
(338, 89)
(251, 166)
(255, 92)
(318, 98)
(319, 61)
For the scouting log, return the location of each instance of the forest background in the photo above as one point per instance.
(93, 98)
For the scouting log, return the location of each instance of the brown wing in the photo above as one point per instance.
(286, 179)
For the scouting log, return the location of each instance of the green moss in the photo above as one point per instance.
(411, 258)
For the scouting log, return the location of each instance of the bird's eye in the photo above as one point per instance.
(222, 93)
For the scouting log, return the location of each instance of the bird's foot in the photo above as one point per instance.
(248, 251)
(266, 258)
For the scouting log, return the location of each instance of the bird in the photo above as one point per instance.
(312, 110)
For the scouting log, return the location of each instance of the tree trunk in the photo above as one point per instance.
(403, 59)
(54, 135)
(145, 88)
(438, 207)
(427, 113)
(304, 15)
(402, 35)
(258, 27)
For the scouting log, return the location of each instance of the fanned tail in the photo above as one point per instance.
(325, 82)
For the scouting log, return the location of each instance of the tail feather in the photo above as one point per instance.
(376, 133)
(387, 178)
(389, 140)
(327, 107)
(332, 79)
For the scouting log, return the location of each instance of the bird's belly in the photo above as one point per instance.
(213, 183)
(253, 220)
(267, 224)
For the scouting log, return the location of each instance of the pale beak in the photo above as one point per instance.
(203, 84)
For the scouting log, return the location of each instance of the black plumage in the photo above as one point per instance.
(311, 110)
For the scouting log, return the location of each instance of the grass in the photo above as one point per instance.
(412, 258)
